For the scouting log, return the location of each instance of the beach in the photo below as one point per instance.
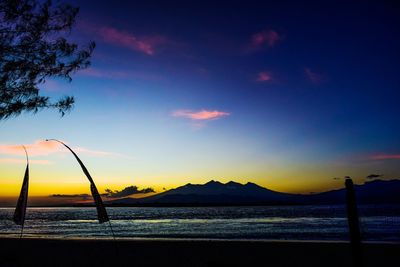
(202, 236)
(187, 252)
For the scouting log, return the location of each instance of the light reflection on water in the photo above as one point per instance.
(380, 223)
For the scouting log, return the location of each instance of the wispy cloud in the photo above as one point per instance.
(267, 38)
(313, 76)
(38, 148)
(384, 156)
(119, 74)
(96, 153)
(43, 148)
(97, 73)
(264, 76)
(148, 45)
(23, 161)
(201, 115)
(52, 86)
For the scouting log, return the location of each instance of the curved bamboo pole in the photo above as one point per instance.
(101, 210)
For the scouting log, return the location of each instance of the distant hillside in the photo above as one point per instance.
(371, 192)
(232, 193)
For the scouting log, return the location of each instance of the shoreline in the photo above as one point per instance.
(187, 239)
(187, 252)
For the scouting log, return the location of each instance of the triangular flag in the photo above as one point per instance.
(20, 209)
(101, 210)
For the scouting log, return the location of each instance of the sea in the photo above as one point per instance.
(377, 223)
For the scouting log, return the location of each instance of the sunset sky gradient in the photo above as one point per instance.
(285, 95)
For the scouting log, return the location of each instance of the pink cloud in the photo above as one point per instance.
(23, 161)
(145, 44)
(264, 38)
(38, 148)
(384, 156)
(119, 74)
(95, 153)
(200, 115)
(92, 72)
(313, 76)
(43, 148)
(52, 86)
(264, 76)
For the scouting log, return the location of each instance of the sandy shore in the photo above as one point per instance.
(153, 252)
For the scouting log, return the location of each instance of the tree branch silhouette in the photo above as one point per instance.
(33, 48)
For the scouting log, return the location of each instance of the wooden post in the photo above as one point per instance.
(353, 221)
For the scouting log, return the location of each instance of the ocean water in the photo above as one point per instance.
(378, 223)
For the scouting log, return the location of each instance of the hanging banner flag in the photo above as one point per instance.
(101, 210)
(20, 209)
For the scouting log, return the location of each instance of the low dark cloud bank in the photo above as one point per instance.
(127, 191)
(374, 176)
(81, 196)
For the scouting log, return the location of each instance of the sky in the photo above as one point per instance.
(291, 96)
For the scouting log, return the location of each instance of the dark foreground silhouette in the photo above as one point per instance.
(51, 252)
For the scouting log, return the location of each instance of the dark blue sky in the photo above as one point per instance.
(351, 47)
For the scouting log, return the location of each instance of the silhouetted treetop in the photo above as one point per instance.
(33, 47)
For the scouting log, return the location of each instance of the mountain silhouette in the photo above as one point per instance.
(233, 193)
